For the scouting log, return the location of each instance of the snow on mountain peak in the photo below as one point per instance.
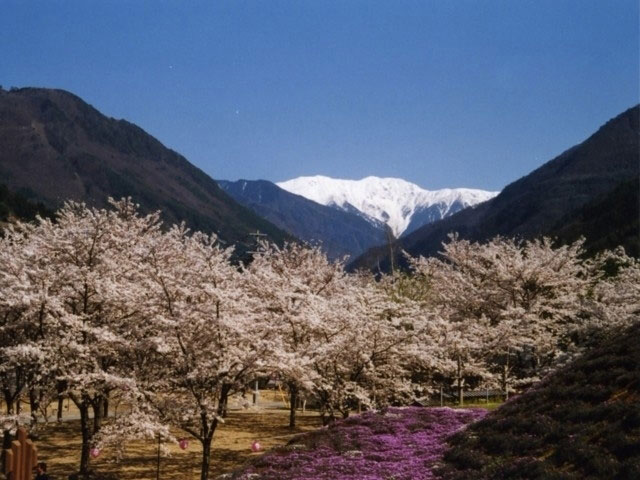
(389, 200)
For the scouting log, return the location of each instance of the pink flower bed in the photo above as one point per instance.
(400, 444)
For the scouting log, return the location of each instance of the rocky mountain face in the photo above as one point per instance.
(346, 216)
(54, 147)
(402, 205)
(561, 199)
(340, 233)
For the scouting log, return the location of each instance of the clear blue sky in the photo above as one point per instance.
(441, 93)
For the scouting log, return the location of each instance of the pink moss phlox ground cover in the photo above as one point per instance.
(398, 444)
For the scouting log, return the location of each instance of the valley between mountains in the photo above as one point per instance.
(167, 301)
(56, 147)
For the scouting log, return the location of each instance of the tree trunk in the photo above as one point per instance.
(60, 387)
(206, 458)
(504, 382)
(224, 400)
(34, 404)
(105, 407)
(86, 436)
(505, 377)
(293, 403)
(8, 400)
(7, 437)
(98, 409)
(328, 418)
(323, 412)
(460, 392)
(60, 407)
(158, 459)
(223, 406)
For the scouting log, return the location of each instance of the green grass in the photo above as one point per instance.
(486, 406)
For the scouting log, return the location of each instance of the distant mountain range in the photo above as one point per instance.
(402, 205)
(338, 232)
(591, 190)
(349, 216)
(54, 147)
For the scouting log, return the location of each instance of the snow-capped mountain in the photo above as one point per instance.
(402, 205)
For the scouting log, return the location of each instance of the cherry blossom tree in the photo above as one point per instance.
(23, 306)
(73, 296)
(509, 304)
(614, 294)
(16, 307)
(198, 342)
(370, 346)
(293, 286)
(104, 300)
(29, 308)
(95, 259)
(412, 298)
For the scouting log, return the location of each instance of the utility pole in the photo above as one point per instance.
(256, 240)
(256, 236)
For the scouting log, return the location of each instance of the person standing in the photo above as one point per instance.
(41, 471)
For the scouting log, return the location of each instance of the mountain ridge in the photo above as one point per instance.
(539, 203)
(402, 205)
(339, 233)
(54, 146)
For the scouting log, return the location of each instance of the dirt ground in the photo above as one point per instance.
(59, 446)
(59, 443)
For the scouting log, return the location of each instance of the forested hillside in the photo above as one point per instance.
(582, 422)
(16, 205)
(567, 197)
(56, 147)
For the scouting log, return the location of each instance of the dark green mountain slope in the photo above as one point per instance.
(55, 147)
(340, 233)
(14, 205)
(546, 200)
(583, 422)
(607, 222)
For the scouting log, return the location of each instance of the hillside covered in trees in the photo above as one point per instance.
(582, 422)
(14, 205)
(56, 147)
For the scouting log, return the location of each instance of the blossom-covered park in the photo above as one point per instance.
(106, 306)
